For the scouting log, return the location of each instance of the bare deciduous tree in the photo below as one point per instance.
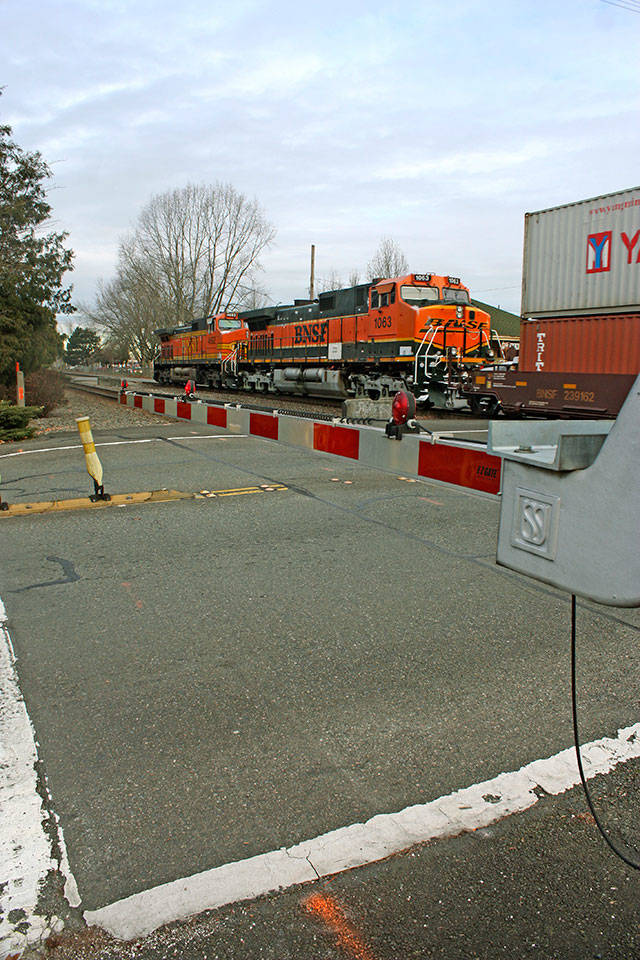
(203, 243)
(251, 295)
(333, 281)
(130, 307)
(387, 261)
(194, 252)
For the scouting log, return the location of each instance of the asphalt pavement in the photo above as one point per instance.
(214, 678)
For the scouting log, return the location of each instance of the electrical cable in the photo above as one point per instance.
(623, 6)
(419, 428)
(627, 858)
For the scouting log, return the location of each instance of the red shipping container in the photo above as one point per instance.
(605, 343)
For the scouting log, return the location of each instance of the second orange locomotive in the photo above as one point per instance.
(418, 332)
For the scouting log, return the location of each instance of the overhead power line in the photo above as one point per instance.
(629, 5)
(492, 289)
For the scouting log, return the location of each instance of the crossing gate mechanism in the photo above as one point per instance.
(570, 511)
(570, 516)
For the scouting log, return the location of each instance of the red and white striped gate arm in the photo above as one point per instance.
(460, 464)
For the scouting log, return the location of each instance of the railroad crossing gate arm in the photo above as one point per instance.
(570, 512)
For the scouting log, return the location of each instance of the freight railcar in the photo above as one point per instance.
(418, 332)
(568, 367)
(580, 333)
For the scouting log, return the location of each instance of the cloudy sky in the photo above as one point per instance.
(437, 124)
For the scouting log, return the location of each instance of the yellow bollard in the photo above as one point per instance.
(94, 467)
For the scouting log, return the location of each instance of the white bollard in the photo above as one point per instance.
(94, 467)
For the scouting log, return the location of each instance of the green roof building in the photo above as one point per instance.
(507, 324)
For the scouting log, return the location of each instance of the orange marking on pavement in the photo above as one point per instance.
(127, 586)
(329, 910)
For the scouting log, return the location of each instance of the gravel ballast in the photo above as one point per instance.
(104, 414)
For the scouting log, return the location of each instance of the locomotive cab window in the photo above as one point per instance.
(419, 296)
(375, 298)
(224, 323)
(455, 296)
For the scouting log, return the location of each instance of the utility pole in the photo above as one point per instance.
(312, 278)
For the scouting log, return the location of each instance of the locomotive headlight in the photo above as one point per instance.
(459, 312)
(454, 352)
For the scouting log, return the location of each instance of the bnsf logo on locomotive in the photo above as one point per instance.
(310, 332)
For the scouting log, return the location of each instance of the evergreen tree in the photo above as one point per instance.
(32, 263)
(82, 346)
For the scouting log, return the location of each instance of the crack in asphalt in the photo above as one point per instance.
(292, 857)
(68, 569)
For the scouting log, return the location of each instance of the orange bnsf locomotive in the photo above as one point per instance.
(418, 332)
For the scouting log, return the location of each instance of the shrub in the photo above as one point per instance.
(14, 421)
(45, 388)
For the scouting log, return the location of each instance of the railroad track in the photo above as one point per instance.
(311, 407)
(321, 410)
(87, 387)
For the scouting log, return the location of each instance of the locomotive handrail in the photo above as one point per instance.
(489, 342)
(465, 359)
(434, 330)
(231, 359)
(499, 341)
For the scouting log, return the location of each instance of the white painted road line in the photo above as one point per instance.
(124, 443)
(362, 843)
(214, 436)
(25, 848)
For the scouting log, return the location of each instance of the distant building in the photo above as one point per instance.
(506, 325)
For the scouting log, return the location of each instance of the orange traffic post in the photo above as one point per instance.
(19, 386)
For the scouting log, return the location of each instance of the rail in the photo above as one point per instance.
(101, 391)
(328, 411)
(113, 393)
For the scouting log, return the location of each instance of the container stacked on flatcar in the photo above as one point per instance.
(417, 332)
(580, 333)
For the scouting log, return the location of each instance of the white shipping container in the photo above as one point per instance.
(583, 257)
